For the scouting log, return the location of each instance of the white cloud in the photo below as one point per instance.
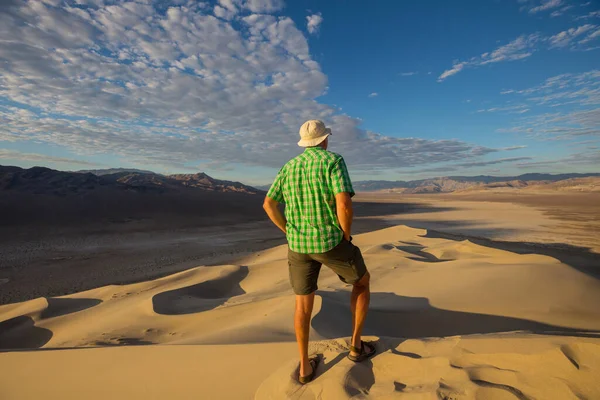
(566, 106)
(492, 162)
(592, 14)
(313, 23)
(179, 87)
(525, 45)
(231, 5)
(519, 109)
(546, 5)
(456, 68)
(518, 49)
(565, 38)
(513, 148)
(263, 6)
(224, 13)
(560, 12)
(374, 94)
(593, 35)
(583, 158)
(42, 158)
(409, 73)
(521, 47)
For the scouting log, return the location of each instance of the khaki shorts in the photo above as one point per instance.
(345, 260)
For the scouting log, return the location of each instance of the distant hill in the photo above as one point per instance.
(461, 183)
(41, 196)
(203, 181)
(41, 180)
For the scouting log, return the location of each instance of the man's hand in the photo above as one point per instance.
(271, 208)
(343, 206)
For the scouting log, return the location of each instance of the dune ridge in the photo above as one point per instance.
(451, 319)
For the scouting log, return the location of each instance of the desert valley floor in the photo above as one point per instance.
(481, 297)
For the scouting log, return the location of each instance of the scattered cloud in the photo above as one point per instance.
(34, 157)
(567, 106)
(263, 6)
(455, 167)
(560, 12)
(456, 68)
(374, 94)
(583, 158)
(581, 89)
(565, 38)
(545, 6)
(492, 162)
(520, 48)
(408, 73)
(592, 14)
(313, 23)
(192, 83)
(525, 45)
(560, 125)
(513, 148)
(229, 8)
(593, 35)
(435, 169)
(518, 109)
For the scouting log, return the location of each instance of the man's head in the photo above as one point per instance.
(314, 133)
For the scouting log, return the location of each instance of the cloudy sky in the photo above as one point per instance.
(411, 89)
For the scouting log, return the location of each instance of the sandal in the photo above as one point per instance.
(314, 362)
(362, 354)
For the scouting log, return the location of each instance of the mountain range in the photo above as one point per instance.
(41, 180)
(461, 183)
(451, 184)
(96, 201)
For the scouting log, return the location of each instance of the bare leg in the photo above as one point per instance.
(359, 304)
(304, 307)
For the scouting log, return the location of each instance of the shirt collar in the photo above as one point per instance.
(315, 148)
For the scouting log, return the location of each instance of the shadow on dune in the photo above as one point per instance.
(379, 209)
(417, 251)
(57, 307)
(21, 333)
(372, 216)
(125, 341)
(201, 297)
(580, 258)
(413, 317)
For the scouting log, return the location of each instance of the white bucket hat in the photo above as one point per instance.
(312, 133)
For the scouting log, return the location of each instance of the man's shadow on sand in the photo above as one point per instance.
(402, 317)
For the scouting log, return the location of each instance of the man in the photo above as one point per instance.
(317, 191)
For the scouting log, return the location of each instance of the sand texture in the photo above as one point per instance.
(451, 320)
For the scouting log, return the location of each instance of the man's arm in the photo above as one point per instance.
(275, 215)
(343, 205)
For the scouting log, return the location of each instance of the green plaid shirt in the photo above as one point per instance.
(308, 184)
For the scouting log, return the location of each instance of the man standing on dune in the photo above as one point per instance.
(316, 189)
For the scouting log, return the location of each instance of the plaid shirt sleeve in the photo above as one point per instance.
(340, 179)
(276, 190)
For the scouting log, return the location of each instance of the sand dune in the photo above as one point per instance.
(451, 319)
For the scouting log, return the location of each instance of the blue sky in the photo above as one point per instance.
(411, 89)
